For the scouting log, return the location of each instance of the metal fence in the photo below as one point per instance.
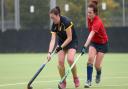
(33, 14)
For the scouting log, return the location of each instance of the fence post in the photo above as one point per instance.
(52, 5)
(2, 16)
(123, 12)
(17, 15)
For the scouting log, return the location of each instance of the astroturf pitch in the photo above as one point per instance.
(17, 69)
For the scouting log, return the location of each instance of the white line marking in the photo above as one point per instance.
(110, 85)
(4, 85)
(23, 83)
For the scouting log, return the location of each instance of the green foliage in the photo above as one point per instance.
(113, 7)
(8, 9)
(76, 11)
(38, 19)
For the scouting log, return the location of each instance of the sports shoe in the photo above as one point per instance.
(62, 85)
(98, 77)
(76, 82)
(87, 84)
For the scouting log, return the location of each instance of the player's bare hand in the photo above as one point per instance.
(49, 56)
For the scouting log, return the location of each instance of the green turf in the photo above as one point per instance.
(17, 69)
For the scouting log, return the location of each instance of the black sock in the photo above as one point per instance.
(98, 71)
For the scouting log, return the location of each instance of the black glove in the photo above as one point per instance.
(84, 50)
(58, 49)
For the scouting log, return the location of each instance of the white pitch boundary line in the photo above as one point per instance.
(114, 77)
(111, 85)
(4, 85)
(24, 83)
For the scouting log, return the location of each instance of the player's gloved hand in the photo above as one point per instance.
(58, 49)
(49, 56)
(84, 50)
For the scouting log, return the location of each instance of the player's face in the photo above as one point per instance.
(91, 13)
(55, 18)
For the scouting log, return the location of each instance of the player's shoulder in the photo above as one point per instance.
(97, 20)
(65, 20)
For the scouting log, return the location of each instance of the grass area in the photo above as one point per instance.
(17, 69)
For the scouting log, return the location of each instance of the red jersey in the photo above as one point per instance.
(100, 32)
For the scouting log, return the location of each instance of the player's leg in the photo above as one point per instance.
(61, 67)
(101, 49)
(98, 66)
(92, 53)
(70, 58)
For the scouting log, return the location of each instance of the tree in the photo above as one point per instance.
(76, 11)
(112, 13)
(38, 19)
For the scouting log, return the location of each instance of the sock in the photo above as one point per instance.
(89, 72)
(98, 71)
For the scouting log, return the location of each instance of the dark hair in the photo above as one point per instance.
(56, 10)
(94, 1)
(94, 6)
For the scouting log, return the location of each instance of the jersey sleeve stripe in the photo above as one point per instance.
(69, 26)
(52, 32)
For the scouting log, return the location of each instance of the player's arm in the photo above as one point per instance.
(52, 42)
(69, 37)
(92, 33)
(95, 29)
(51, 45)
(84, 49)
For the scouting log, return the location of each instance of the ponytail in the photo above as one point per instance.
(56, 10)
(93, 4)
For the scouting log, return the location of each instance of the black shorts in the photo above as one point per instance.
(100, 47)
(72, 44)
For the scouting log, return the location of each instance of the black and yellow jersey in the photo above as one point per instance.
(65, 23)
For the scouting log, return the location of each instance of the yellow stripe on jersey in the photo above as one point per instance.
(53, 32)
(69, 26)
